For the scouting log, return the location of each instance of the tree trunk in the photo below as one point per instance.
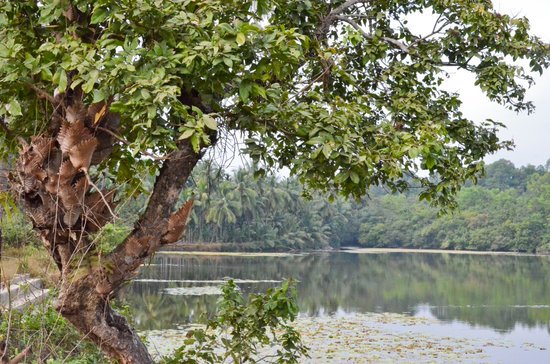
(92, 315)
(3, 188)
(55, 189)
(1, 238)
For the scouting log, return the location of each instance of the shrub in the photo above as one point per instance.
(247, 331)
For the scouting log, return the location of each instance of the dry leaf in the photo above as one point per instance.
(72, 134)
(81, 154)
(99, 115)
(67, 172)
(178, 222)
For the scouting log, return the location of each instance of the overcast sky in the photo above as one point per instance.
(531, 133)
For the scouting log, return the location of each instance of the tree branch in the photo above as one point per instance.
(339, 10)
(357, 27)
(153, 225)
(332, 16)
(124, 141)
(42, 94)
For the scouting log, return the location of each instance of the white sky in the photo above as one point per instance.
(530, 133)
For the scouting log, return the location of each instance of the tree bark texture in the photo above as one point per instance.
(65, 206)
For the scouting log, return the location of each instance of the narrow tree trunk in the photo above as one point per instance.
(1, 238)
(3, 188)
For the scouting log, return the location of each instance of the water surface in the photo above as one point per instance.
(470, 296)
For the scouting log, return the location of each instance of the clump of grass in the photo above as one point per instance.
(23, 252)
(17, 230)
(28, 259)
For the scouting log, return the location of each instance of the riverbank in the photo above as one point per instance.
(355, 250)
(231, 250)
(230, 254)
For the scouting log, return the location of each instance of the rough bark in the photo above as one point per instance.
(56, 191)
(92, 315)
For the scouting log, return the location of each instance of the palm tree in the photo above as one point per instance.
(223, 211)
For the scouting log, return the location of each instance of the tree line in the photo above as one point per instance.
(508, 210)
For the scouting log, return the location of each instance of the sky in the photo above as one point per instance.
(530, 133)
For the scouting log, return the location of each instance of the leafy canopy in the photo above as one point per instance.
(344, 93)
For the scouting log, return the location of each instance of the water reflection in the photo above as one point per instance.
(483, 290)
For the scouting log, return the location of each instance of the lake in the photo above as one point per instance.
(394, 306)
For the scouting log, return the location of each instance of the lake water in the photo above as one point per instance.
(504, 300)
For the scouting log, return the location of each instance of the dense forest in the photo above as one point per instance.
(508, 210)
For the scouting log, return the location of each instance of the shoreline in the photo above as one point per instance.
(349, 250)
(433, 251)
(230, 254)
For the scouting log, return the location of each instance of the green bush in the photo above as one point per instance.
(17, 230)
(111, 236)
(247, 331)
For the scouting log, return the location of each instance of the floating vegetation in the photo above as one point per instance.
(214, 281)
(233, 254)
(380, 337)
(193, 291)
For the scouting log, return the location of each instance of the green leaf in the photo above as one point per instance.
(327, 150)
(14, 108)
(187, 134)
(244, 90)
(259, 90)
(430, 162)
(151, 112)
(341, 177)
(46, 74)
(228, 62)
(210, 122)
(99, 95)
(60, 78)
(99, 15)
(195, 142)
(241, 39)
(89, 84)
(145, 94)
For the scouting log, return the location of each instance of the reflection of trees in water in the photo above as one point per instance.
(478, 289)
(154, 311)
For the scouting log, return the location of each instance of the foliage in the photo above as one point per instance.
(17, 230)
(240, 208)
(51, 338)
(242, 329)
(111, 236)
(343, 95)
(506, 212)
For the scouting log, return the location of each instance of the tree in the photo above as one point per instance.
(343, 93)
